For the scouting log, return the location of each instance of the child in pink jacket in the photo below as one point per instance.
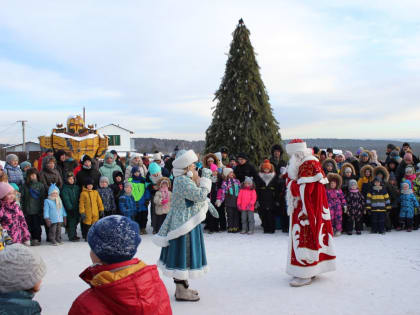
(246, 202)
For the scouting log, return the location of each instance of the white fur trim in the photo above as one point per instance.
(205, 183)
(317, 178)
(178, 172)
(182, 274)
(307, 272)
(185, 160)
(290, 199)
(292, 148)
(188, 226)
(310, 158)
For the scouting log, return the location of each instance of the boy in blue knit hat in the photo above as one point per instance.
(119, 283)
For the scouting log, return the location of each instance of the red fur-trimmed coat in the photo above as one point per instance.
(311, 237)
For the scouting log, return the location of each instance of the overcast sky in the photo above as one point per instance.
(347, 70)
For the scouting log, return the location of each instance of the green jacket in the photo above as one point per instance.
(70, 195)
(19, 302)
(108, 169)
(32, 198)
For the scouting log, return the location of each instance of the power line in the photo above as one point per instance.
(5, 129)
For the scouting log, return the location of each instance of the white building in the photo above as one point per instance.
(119, 138)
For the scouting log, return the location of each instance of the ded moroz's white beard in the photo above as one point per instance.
(295, 162)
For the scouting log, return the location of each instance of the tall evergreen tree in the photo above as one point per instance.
(243, 120)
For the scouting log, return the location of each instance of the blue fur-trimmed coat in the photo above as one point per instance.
(189, 205)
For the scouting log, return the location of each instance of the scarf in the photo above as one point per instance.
(58, 202)
(406, 191)
(354, 190)
(34, 193)
(231, 185)
(86, 167)
(165, 194)
(377, 188)
(155, 179)
(267, 177)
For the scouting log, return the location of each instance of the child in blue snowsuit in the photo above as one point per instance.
(141, 197)
(408, 204)
(126, 202)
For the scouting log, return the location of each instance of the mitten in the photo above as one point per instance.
(345, 209)
(218, 203)
(164, 202)
(205, 181)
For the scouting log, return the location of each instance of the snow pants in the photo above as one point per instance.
(217, 224)
(248, 222)
(232, 218)
(73, 220)
(337, 219)
(55, 233)
(34, 222)
(85, 230)
(159, 221)
(354, 222)
(268, 220)
(378, 221)
(141, 218)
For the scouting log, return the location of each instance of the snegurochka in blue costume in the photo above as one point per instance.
(183, 254)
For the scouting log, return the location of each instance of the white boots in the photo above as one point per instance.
(300, 282)
(183, 293)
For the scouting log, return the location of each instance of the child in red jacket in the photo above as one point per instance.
(246, 203)
(119, 283)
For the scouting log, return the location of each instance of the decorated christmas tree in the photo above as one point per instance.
(243, 120)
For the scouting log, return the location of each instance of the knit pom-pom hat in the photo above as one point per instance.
(114, 239)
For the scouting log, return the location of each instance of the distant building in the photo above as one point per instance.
(30, 147)
(119, 138)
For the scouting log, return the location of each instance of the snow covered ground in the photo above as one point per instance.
(376, 274)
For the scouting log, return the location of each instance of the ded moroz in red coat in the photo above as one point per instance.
(311, 249)
(128, 288)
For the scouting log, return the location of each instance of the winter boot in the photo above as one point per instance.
(409, 225)
(183, 294)
(188, 287)
(300, 282)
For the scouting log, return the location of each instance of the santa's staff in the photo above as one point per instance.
(311, 236)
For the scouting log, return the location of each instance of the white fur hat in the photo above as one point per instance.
(219, 156)
(157, 157)
(227, 171)
(296, 145)
(185, 160)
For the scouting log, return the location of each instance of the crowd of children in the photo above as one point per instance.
(362, 192)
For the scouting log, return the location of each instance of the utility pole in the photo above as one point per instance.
(23, 134)
(84, 115)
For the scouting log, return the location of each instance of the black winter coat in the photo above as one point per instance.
(84, 175)
(246, 169)
(268, 196)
